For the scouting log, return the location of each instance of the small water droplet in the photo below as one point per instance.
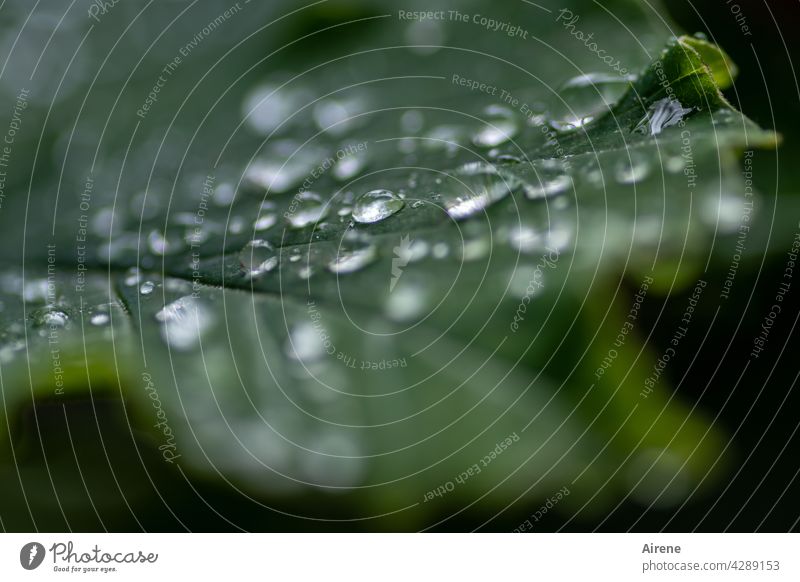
(352, 260)
(52, 318)
(160, 245)
(339, 116)
(269, 106)
(440, 250)
(675, 164)
(265, 222)
(185, 321)
(100, 319)
(547, 181)
(377, 205)
(305, 344)
(412, 121)
(524, 239)
(633, 170)
(349, 167)
(474, 187)
(307, 208)
(147, 288)
(258, 257)
(236, 225)
(501, 126)
(407, 301)
(132, 277)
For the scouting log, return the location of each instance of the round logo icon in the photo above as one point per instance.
(31, 555)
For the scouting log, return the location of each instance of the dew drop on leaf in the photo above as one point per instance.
(633, 170)
(265, 221)
(184, 322)
(350, 261)
(583, 98)
(376, 205)
(474, 187)
(500, 126)
(307, 208)
(258, 257)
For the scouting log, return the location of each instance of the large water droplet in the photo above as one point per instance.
(584, 97)
(258, 257)
(376, 205)
(307, 208)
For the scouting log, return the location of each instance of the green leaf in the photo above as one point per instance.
(460, 355)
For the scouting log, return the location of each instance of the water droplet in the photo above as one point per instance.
(475, 248)
(501, 126)
(675, 164)
(352, 260)
(305, 344)
(633, 170)
(37, 291)
(147, 288)
(474, 187)
(339, 116)
(268, 106)
(265, 221)
(236, 225)
(412, 121)
(100, 319)
(224, 194)
(723, 211)
(406, 302)
(444, 137)
(424, 37)
(258, 257)
(349, 167)
(662, 114)
(160, 245)
(185, 321)
(440, 250)
(132, 276)
(307, 208)
(524, 239)
(584, 97)
(52, 317)
(548, 180)
(376, 205)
